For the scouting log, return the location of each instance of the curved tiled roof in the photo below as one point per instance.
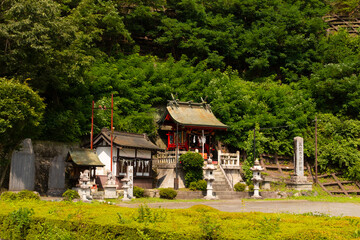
(129, 140)
(193, 114)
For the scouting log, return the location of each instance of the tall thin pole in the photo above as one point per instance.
(202, 143)
(112, 131)
(254, 143)
(92, 125)
(316, 161)
(176, 182)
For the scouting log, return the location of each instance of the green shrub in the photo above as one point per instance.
(251, 188)
(239, 187)
(192, 164)
(70, 194)
(18, 222)
(147, 215)
(27, 195)
(138, 192)
(201, 185)
(167, 193)
(193, 186)
(8, 196)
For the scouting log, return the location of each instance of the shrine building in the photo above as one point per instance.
(129, 149)
(195, 125)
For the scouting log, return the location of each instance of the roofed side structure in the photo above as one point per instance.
(126, 140)
(84, 157)
(191, 114)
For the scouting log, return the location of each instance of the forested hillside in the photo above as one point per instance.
(260, 63)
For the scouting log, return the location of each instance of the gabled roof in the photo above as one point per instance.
(127, 140)
(84, 157)
(192, 114)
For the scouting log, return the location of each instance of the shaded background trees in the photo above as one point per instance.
(268, 63)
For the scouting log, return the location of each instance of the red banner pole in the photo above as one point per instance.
(92, 125)
(112, 131)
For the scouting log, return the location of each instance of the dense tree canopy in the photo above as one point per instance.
(21, 111)
(260, 63)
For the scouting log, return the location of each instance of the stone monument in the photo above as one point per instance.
(256, 169)
(128, 183)
(85, 186)
(299, 181)
(209, 178)
(110, 187)
(22, 170)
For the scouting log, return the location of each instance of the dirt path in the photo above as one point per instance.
(294, 206)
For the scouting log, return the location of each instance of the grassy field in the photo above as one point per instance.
(67, 220)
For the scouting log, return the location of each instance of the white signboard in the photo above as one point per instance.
(299, 156)
(130, 176)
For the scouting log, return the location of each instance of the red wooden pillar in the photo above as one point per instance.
(92, 125)
(112, 131)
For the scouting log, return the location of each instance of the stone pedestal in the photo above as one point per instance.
(84, 192)
(110, 191)
(110, 187)
(299, 183)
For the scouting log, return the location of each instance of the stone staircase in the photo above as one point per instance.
(220, 183)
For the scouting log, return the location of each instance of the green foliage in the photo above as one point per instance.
(138, 192)
(251, 188)
(21, 110)
(70, 194)
(210, 228)
(8, 196)
(199, 185)
(337, 139)
(99, 221)
(18, 223)
(239, 187)
(147, 215)
(167, 193)
(262, 64)
(27, 195)
(345, 7)
(193, 186)
(192, 164)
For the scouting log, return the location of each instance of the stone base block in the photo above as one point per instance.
(299, 179)
(304, 186)
(84, 194)
(256, 197)
(110, 191)
(55, 192)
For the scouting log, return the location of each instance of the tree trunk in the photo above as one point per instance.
(3, 175)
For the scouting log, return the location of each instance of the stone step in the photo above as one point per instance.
(221, 188)
(220, 183)
(231, 195)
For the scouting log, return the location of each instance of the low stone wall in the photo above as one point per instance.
(165, 177)
(43, 170)
(50, 166)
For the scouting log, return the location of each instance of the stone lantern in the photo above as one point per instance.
(126, 187)
(256, 169)
(84, 183)
(209, 178)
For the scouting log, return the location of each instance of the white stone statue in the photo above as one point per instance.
(110, 178)
(84, 177)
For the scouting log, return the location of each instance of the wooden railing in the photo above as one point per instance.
(229, 159)
(168, 157)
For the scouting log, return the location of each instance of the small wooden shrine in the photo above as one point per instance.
(129, 149)
(194, 124)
